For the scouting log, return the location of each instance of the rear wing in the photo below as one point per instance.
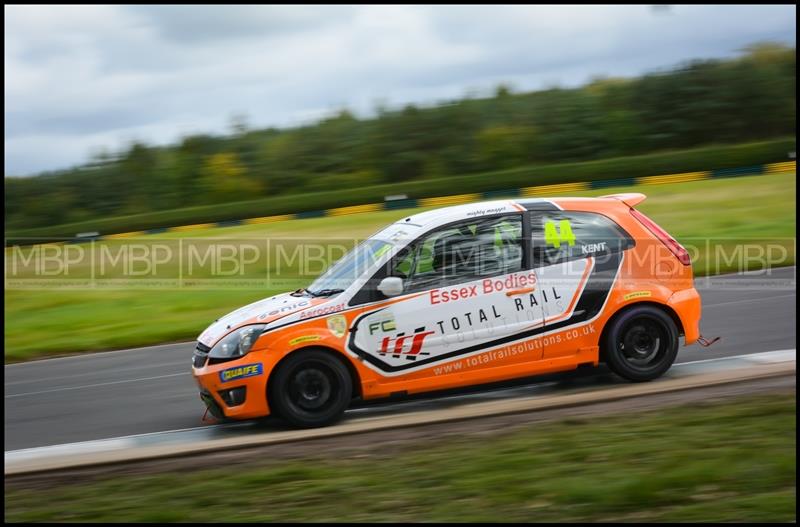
(630, 199)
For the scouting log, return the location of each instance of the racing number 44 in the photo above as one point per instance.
(555, 237)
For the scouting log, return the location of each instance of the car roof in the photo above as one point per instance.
(475, 210)
(466, 211)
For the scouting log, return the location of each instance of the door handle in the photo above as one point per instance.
(520, 291)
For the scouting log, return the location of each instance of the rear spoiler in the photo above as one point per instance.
(630, 199)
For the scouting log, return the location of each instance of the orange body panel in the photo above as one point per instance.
(648, 273)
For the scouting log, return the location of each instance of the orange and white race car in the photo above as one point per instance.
(459, 296)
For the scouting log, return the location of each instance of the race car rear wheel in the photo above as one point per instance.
(641, 343)
(310, 388)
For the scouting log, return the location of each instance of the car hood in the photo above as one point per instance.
(260, 312)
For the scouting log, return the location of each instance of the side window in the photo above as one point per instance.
(460, 253)
(560, 236)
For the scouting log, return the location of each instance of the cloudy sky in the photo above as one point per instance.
(79, 79)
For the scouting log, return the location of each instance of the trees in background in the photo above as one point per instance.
(711, 101)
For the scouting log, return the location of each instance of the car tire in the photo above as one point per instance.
(310, 388)
(641, 344)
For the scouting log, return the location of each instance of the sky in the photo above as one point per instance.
(80, 80)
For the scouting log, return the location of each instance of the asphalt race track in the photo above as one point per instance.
(144, 390)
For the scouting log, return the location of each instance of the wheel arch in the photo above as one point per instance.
(627, 307)
(355, 378)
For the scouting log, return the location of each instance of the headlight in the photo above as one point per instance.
(238, 343)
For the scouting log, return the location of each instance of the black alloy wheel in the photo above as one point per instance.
(641, 343)
(310, 388)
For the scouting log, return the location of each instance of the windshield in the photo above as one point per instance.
(343, 273)
(339, 276)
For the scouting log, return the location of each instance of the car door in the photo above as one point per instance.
(467, 286)
(577, 257)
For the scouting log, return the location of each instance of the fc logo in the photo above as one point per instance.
(385, 326)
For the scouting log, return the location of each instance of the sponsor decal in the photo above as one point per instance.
(337, 325)
(396, 346)
(306, 338)
(480, 316)
(285, 309)
(483, 212)
(484, 317)
(500, 322)
(512, 282)
(384, 326)
(324, 310)
(637, 294)
(520, 303)
(441, 296)
(486, 287)
(240, 372)
(533, 346)
(591, 248)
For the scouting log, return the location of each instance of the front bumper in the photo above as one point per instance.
(234, 389)
(211, 404)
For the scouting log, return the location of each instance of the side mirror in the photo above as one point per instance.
(391, 286)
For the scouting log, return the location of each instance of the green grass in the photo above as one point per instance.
(51, 320)
(720, 462)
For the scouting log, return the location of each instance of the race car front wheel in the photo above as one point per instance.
(641, 343)
(310, 388)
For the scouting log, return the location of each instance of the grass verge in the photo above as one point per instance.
(758, 210)
(724, 461)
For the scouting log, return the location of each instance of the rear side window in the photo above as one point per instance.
(561, 236)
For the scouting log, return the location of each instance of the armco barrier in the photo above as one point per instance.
(441, 201)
